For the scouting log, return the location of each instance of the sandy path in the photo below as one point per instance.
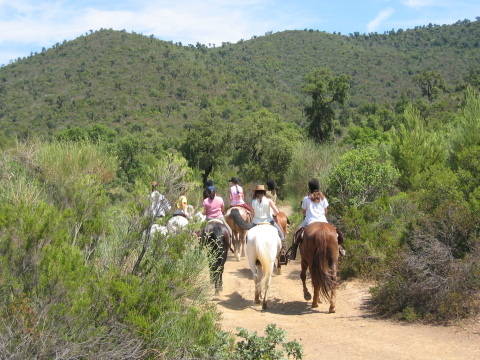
(351, 333)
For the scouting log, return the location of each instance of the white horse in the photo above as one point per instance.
(176, 224)
(263, 246)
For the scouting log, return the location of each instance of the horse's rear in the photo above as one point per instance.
(239, 233)
(319, 251)
(216, 237)
(263, 245)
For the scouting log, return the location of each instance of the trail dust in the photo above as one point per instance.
(351, 333)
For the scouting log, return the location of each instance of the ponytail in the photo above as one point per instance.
(317, 196)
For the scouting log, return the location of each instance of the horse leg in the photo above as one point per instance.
(267, 277)
(316, 295)
(303, 275)
(333, 295)
(242, 238)
(258, 283)
(236, 245)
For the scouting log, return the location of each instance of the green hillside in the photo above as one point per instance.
(130, 80)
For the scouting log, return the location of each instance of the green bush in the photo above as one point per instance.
(360, 176)
(415, 149)
(373, 233)
(270, 347)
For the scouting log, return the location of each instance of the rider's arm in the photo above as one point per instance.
(274, 208)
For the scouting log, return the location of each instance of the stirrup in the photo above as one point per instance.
(283, 257)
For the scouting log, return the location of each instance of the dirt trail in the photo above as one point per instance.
(350, 333)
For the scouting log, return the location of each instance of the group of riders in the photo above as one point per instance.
(263, 209)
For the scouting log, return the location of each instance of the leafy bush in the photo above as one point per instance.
(373, 233)
(414, 149)
(360, 176)
(270, 347)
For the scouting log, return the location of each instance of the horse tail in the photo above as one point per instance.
(321, 277)
(237, 218)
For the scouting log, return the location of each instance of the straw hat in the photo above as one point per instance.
(260, 188)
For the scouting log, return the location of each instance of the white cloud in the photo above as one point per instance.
(418, 3)
(209, 21)
(379, 19)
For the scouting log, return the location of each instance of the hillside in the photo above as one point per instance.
(130, 81)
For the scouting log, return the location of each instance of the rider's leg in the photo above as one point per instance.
(340, 238)
(281, 234)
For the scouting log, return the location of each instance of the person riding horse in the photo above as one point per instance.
(214, 207)
(159, 204)
(314, 207)
(237, 197)
(263, 208)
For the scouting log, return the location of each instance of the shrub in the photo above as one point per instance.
(310, 160)
(272, 346)
(414, 149)
(436, 276)
(359, 177)
(373, 233)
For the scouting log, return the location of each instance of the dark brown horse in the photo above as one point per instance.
(319, 250)
(216, 238)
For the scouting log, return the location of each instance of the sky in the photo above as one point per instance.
(28, 25)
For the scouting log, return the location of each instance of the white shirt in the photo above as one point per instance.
(159, 204)
(315, 211)
(262, 210)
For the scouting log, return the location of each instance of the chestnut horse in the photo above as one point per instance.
(239, 232)
(319, 250)
(282, 221)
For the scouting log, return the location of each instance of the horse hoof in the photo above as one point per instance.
(257, 301)
(331, 310)
(279, 271)
(314, 306)
(307, 296)
(264, 306)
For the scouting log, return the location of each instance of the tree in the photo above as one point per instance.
(325, 90)
(430, 83)
(264, 146)
(206, 145)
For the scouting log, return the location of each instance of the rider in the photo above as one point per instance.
(314, 207)
(237, 196)
(208, 183)
(263, 208)
(214, 207)
(158, 202)
(272, 190)
(182, 207)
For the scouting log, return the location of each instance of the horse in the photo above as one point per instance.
(176, 224)
(263, 246)
(319, 251)
(239, 232)
(216, 237)
(283, 222)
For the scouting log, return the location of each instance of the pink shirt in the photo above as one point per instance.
(236, 195)
(213, 208)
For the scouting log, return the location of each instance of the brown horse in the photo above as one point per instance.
(282, 221)
(319, 250)
(239, 233)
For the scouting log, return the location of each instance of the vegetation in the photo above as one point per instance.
(81, 277)
(132, 82)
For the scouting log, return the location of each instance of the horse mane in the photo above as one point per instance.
(237, 218)
(325, 239)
